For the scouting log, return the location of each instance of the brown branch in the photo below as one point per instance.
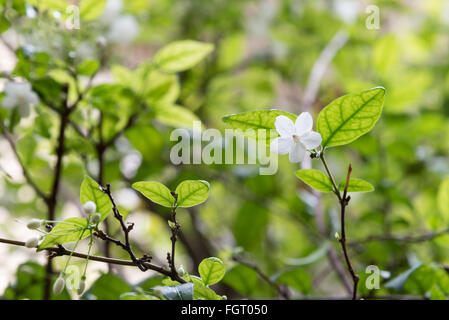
(343, 203)
(175, 227)
(60, 251)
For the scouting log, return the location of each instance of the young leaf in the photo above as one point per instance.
(257, 120)
(69, 230)
(90, 191)
(202, 292)
(88, 67)
(211, 270)
(316, 179)
(349, 117)
(181, 55)
(156, 192)
(192, 192)
(356, 185)
(91, 9)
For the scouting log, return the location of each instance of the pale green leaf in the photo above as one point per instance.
(175, 116)
(178, 292)
(156, 192)
(356, 185)
(181, 55)
(201, 292)
(349, 117)
(315, 179)
(258, 125)
(91, 9)
(211, 270)
(192, 192)
(69, 230)
(90, 191)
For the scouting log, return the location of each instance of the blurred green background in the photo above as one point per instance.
(286, 54)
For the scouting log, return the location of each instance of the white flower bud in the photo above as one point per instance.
(89, 207)
(95, 218)
(81, 287)
(32, 242)
(58, 286)
(33, 224)
(181, 271)
(224, 297)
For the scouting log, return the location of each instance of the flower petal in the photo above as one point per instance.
(284, 126)
(297, 153)
(311, 140)
(281, 145)
(304, 123)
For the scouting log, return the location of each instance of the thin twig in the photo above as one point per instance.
(343, 203)
(280, 290)
(410, 239)
(60, 251)
(175, 230)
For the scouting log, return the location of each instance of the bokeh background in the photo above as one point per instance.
(286, 54)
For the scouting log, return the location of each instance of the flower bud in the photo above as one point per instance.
(224, 297)
(58, 286)
(81, 287)
(33, 224)
(181, 271)
(95, 218)
(32, 242)
(89, 207)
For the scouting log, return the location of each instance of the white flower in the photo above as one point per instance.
(295, 138)
(33, 224)
(20, 95)
(123, 30)
(89, 207)
(32, 242)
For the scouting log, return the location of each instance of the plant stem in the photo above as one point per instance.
(344, 201)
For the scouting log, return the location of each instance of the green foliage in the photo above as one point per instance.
(68, 230)
(191, 193)
(181, 55)
(349, 117)
(356, 185)
(91, 9)
(177, 292)
(156, 192)
(107, 287)
(211, 270)
(253, 121)
(316, 179)
(90, 191)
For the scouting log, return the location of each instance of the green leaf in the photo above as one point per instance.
(398, 282)
(243, 279)
(191, 193)
(4, 24)
(90, 191)
(175, 116)
(315, 179)
(443, 199)
(107, 287)
(315, 256)
(349, 117)
(181, 55)
(91, 9)
(257, 120)
(297, 278)
(178, 292)
(201, 292)
(156, 192)
(88, 67)
(68, 230)
(211, 270)
(356, 185)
